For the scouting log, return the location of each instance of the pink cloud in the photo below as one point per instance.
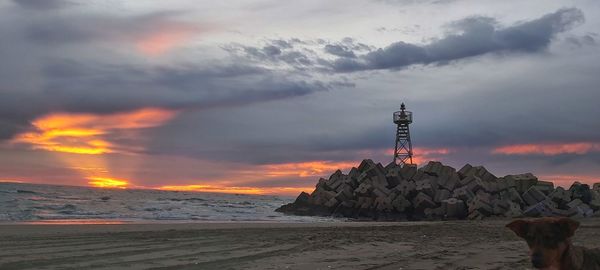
(548, 149)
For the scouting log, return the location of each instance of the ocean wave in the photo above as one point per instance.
(45, 202)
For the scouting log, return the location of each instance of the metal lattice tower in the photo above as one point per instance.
(403, 152)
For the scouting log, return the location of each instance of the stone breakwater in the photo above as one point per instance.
(439, 192)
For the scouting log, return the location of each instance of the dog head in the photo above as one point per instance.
(548, 238)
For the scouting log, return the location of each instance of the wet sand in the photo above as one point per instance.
(349, 245)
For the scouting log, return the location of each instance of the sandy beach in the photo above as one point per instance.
(348, 245)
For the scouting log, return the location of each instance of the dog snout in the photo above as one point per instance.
(537, 259)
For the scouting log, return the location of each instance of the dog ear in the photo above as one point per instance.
(519, 226)
(567, 226)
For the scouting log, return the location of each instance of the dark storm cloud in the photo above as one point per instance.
(477, 36)
(470, 37)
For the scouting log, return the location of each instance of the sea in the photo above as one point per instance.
(35, 203)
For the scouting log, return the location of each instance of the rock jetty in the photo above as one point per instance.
(439, 192)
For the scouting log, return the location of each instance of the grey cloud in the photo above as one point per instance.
(41, 4)
(58, 30)
(340, 51)
(477, 36)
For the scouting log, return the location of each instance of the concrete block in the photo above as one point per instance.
(364, 189)
(575, 203)
(407, 188)
(477, 184)
(383, 204)
(522, 181)
(426, 186)
(585, 210)
(514, 210)
(506, 183)
(463, 193)
(365, 165)
(480, 205)
(464, 170)
(454, 208)
(441, 194)
(512, 195)
(423, 201)
(499, 207)
(365, 202)
(541, 209)
(533, 196)
(434, 213)
(379, 181)
(560, 195)
(449, 182)
(401, 204)
(393, 169)
(433, 168)
(478, 171)
(354, 173)
(595, 204)
(466, 180)
(381, 192)
(545, 187)
(581, 191)
(331, 203)
(408, 171)
(476, 215)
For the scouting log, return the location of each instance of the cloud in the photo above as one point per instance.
(151, 34)
(41, 4)
(469, 37)
(548, 149)
(475, 36)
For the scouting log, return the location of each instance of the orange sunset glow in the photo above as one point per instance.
(166, 38)
(549, 149)
(85, 133)
(104, 182)
(306, 169)
(239, 190)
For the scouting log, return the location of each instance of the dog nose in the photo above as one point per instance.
(537, 260)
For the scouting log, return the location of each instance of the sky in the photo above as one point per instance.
(266, 96)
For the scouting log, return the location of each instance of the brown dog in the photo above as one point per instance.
(549, 241)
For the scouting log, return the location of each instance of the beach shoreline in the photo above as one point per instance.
(262, 245)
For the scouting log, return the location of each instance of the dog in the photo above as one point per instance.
(549, 241)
